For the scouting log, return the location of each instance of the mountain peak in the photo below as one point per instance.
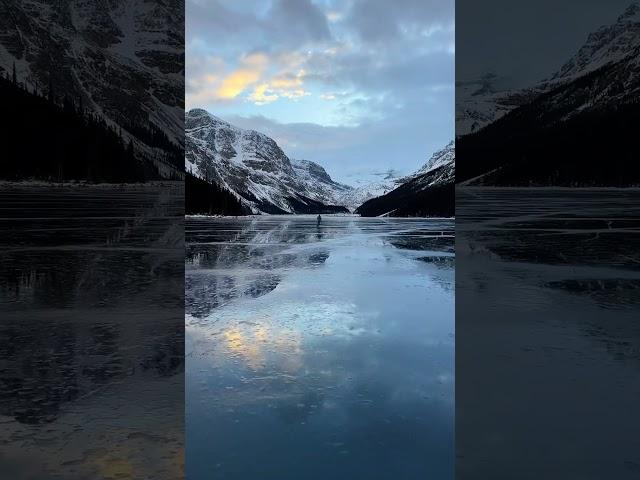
(196, 113)
(608, 44)
(631, 14)
(255, 169)
(442, 157)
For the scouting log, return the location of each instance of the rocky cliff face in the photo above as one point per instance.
(578, 131)
(482, 102)
(121, 60)
(255, 169)
(608, 44)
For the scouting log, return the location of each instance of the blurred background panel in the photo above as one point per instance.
(92, 238)
(548, 223)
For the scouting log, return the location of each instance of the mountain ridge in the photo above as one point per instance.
(255, 169)
(483, 103)
(576, 132)
(120, 60)
(429, 192)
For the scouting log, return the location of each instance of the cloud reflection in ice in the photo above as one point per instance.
(343, 370)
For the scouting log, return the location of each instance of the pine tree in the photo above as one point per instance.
(51, 97)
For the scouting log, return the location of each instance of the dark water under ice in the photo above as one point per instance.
(91, 332)
(547, 333)
(319, 352)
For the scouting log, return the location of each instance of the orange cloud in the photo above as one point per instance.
(253, 67)
(260, 96)
(284, 85)
(236, 83)
(267, 79)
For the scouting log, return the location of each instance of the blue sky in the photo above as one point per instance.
(359, 86)
(542, 36)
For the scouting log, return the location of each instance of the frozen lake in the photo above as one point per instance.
(548, 333)
(319, 352)
(91, 332)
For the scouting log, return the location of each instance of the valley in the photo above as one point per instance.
(249, 167)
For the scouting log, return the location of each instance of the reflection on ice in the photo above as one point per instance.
(337, 364)
(547, 333)
(91, 332)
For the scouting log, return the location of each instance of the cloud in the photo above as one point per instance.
(260, 96)
(377, 21)
(286, 85)
(209, 80)
(375, 144)
(361, 85)
(334, 16)
(250, 72)
(284, 24)
(299, 21)
(257, 77)
(303, 136)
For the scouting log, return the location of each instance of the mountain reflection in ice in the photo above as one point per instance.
(91, 332)
(319, 352)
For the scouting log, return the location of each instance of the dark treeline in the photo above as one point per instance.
(202, 198)
(52, 138)
(304, 205)
(551, 142)
(154, 137)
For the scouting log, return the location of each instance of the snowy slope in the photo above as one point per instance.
(445, 156)
(608, 44)
(253, 167)
(318, 184)
(104, 55)
(580, 132)
(480, 102)
(428, 192)
(440, 169)
(356, 196)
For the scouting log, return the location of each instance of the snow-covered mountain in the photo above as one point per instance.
(254, 168)
(359, 194)
(580, 131)
(608, 44)
(104, 55)
(482, 102)
(445, 156)
(319, 185)
(256, 171)
(428, 192)
(440, 169)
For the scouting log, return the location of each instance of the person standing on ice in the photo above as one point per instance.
(319, 219)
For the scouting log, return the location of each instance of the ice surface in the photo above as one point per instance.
(319, 352)
(547, 333)
(91, 332)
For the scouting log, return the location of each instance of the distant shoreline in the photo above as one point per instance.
(462, 186)
(83, 184)
(313, 216)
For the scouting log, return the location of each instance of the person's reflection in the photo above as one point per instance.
(318, 229)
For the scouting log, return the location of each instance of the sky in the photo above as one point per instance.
(525, 42)
(362, 87)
